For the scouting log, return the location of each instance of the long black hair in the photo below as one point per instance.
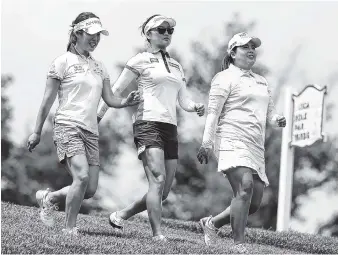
(81, 17)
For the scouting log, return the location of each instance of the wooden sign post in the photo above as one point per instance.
(304, 115)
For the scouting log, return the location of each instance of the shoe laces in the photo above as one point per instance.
(118, 219)
(215, 231)
(48, 206)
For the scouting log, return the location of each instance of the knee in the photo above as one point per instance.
(159, 180)
(157, 177)
(246, 190)
(82, 177)
(80, 172)
(156, 183)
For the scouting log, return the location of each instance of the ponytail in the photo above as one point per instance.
(227, 60)
(72, 40)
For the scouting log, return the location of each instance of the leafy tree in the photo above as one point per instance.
(330, 228)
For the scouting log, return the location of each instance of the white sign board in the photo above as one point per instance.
(308, 116)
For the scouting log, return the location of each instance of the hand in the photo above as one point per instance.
(133, 98)
(203, 154)
(33, 140)
(199, 108)
(281, 121)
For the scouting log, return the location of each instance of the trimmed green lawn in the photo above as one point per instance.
(22, 232)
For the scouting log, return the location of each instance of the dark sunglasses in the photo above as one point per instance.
(161, 30)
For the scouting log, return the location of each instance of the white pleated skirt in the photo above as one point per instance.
(231, 153)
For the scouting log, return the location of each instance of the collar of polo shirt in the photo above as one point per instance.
(240, 71)
(153, 51)
(76, 52)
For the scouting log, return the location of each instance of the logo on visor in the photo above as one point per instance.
(92, 22)
(157, 18)
(243, 35)
(152, 60)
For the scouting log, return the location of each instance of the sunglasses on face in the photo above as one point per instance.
(161, 30)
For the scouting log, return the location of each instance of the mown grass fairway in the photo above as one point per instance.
(22, 232)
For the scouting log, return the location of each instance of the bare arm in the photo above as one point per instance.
(125, 78)
(185, 101)
(187, 104)
(52, 86)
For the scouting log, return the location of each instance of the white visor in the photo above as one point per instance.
(91, 26)
(157, 21)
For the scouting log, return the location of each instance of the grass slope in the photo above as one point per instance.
(22, 232)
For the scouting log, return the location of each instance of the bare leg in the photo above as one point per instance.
(140, 205)
(59, 195)
(79, 168)
(224, 217)
(241, 181)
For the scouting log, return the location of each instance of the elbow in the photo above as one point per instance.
(114, 104)
(189, 110)
(187, 107)
(184, 107)
(109, 102)
(117, 106)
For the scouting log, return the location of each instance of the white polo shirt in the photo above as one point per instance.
(246, 106)
(80, 90)
(160, 78)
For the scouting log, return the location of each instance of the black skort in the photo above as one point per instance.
(156, 134)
